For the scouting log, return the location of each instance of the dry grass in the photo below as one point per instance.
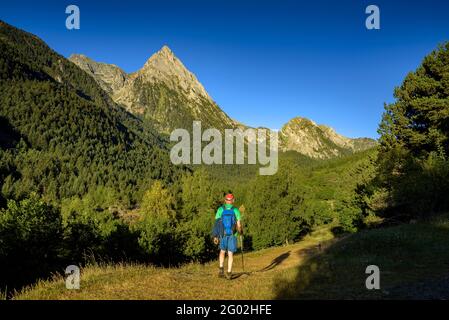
(413, 260)
(263, 269)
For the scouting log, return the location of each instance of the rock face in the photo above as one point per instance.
(318, 141)
(170, 97)
(110, 77)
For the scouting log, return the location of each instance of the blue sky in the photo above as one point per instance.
(263, 62)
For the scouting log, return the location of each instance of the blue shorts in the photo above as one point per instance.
(229, 243)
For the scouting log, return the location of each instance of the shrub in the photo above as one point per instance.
(30, 240)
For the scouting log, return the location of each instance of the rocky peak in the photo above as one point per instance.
(166, 51)
(164, 66)
(302, 122)
(319, 141)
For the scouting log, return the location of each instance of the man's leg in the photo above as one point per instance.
(232, 247)
(221, 258)
(230, 260)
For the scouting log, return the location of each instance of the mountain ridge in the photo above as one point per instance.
(163, 91)
(109, 76)
(166, 92)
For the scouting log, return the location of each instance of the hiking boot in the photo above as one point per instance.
(221, 273)
(229, 275)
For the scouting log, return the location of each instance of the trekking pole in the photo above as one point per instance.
(241, 245)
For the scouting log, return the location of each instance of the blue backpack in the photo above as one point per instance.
(228, 220)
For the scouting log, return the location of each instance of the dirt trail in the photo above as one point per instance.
(255, 282)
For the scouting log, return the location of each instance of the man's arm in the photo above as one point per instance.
(238, 217)
(218, 216)
(239, 227)
(219, 212)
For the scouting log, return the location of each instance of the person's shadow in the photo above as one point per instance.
(276, 261)
(273, 264)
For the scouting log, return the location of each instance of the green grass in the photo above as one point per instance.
(406, 255)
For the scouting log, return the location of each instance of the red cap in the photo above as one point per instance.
(229, 196)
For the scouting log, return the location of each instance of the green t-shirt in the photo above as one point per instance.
(228, 206)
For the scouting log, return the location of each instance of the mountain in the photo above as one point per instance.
(162, 91)
(62, 135)
(110, 77)
(170, 96)
(319, 141)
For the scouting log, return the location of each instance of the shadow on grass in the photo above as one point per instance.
(237, 275)
(413, 262)
(273, 264)
(276, 261)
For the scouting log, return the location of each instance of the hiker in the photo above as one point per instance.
(227, 220)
